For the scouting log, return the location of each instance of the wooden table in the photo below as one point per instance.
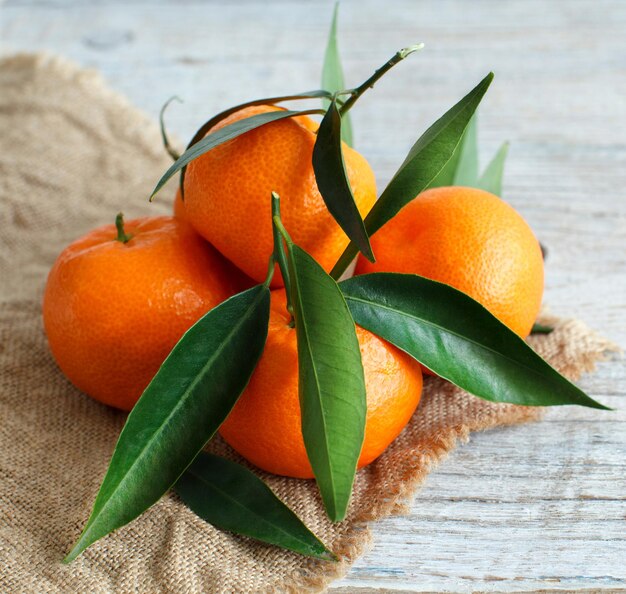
(534, 507)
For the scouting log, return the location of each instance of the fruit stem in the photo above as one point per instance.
(270, 271)
(166, 143)
(280, 254)
(122, 236)
(369, 83)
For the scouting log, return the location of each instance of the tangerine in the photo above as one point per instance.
(113, 310)
(472, 240)
(178, 208)
(227, 193)
(265, 424)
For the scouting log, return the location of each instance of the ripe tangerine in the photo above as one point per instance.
(265, 424)
(113, 311)
(227, 193)
(472, 240)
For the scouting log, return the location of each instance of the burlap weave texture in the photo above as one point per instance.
(72, 154)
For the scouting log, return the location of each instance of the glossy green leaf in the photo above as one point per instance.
(332, 180)
(331, 381)
(180, 410)
(425, 160)
(223, 135)
(446, 176)
(332, 75)
(202, 131)
(462, 168)
(466, 173)
(230, 497)
(541, 329)
(458, 339)
(209, 124)
(491, 179)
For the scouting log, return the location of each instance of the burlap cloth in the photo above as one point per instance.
(73, 153)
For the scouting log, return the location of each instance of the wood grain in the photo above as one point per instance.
(539, 507)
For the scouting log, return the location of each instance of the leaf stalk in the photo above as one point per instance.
(171, 151)
(378, 74)
(280, 256)
(270, 272)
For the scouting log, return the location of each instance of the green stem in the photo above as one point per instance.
(280, 254)
(281, 228)
(270, 272)
(351, 251)
(369, 83)
(122, 236)
(166, 143)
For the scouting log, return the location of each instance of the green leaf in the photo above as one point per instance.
(230, 497)
(332, 75)
(331, 381)
(425, 160)
(332, 180)
(462, 168)
(446, 176)
(202, 131)
(491, 179)
(466, 173)
(209, 124)
(458, 339)
(541, 329)
(180, 410)
(223, 135)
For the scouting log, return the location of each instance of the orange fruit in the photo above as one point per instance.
(113, 311)
(469, 239)
(264, 426)
(178, 209)
(228, 193)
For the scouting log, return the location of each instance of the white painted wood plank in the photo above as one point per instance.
(535, 507)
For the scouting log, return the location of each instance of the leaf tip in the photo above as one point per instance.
(369, 253)
(335, 513)
(598, 405)
(154, 192)
(71, 556)
(328, 555)
(81, 544)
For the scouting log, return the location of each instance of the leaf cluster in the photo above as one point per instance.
(197, 386)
